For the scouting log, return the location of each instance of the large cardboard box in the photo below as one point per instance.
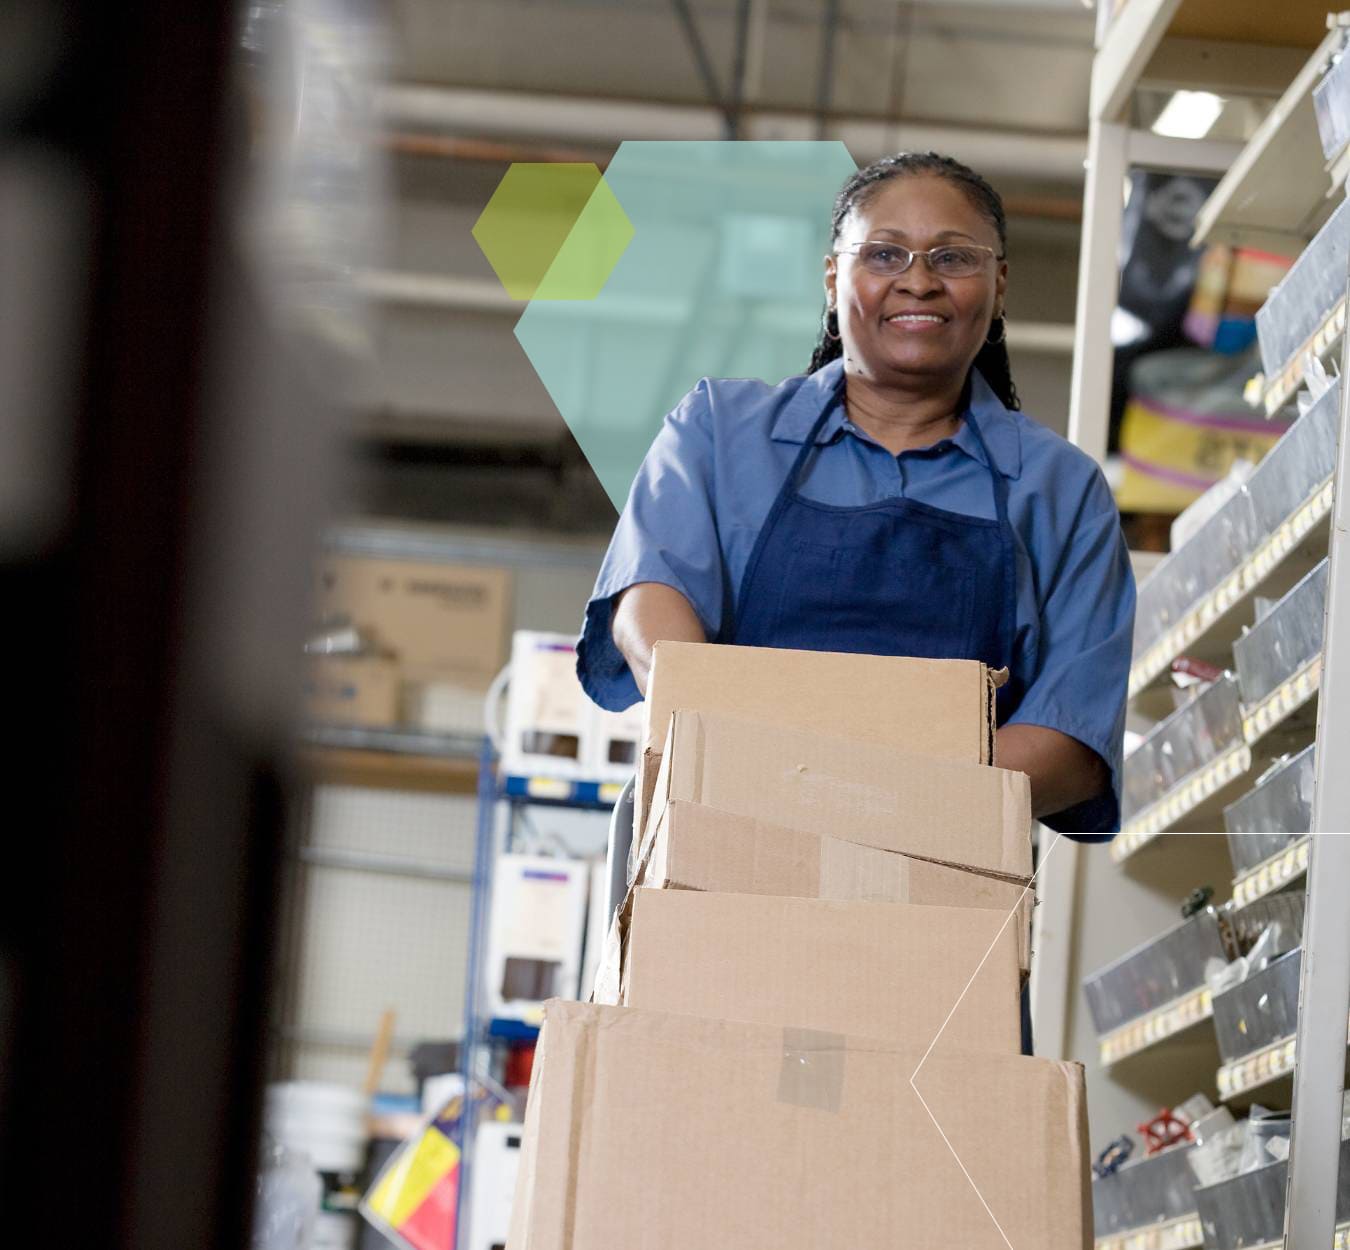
(352, 690)
(443, 622)
(694, 847)
(941, 708)
(971, 815)
(915, 974)
(668, 1132)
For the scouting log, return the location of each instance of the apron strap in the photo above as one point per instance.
(1000, 484)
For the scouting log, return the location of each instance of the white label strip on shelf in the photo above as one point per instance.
(1179, 1234)
(1282, 702)
(1241, 1076)
(1271, 875)
(1281, 389)
(1124, 844)
(1157, 1026)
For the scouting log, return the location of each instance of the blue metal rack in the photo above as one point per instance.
(480, 1031)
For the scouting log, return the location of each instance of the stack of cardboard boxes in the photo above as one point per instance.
(805, 1030)
(433, 637)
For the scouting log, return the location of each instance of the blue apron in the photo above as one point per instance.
(897, 577)
(891, 578)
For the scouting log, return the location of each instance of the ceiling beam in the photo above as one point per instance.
(482, 114)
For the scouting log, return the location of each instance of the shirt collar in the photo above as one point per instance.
(824, 387)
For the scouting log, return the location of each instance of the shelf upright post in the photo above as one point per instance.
(1098, 287)
(1324, 991)
(1331, 792)
(484, 857)
(1319, 1058)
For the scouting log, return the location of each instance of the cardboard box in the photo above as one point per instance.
(352, 690)
(942, 708)
(667, 1132)
(892, 970)
(443, 622)
(694, 847)
(971, 815)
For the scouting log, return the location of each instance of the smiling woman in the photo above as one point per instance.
(891, 500)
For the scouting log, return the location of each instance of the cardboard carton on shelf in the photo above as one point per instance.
(694, 847)
(352, 690)
(971, 815)
(892, 970)
(669, 1132)
(445, 623)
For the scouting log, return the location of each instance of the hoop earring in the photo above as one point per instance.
(825, 325)
(1002, 331)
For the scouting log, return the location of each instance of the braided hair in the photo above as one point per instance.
(992, 361)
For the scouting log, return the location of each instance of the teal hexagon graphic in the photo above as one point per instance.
(554, 220)
(722, 278)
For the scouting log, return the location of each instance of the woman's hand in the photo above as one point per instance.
(1062, 770)
(648, 613)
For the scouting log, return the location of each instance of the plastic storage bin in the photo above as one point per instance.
(1303, 459)
(1154, 974)
(1307, 293)
(1143, 1192)
(1195, 568)
(1288, 637)
(1192, 736)
(1281, 799)
(1331, 104)
(1260, 1011)
(1249, 1209)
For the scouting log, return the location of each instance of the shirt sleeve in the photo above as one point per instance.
(1082, 665)
(666, 533)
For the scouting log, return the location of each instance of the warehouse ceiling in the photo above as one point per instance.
(458, 426)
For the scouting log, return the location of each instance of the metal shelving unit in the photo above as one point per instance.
(484, 1035)
(1275, 193)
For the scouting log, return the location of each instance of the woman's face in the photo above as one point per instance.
(915, 327)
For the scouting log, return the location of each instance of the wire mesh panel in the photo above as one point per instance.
(383, 903)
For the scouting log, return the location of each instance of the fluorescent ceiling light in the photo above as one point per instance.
(1189, 115)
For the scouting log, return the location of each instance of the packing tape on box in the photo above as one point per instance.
(839, 878)
(812, 1074)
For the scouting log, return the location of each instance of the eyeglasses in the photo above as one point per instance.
(889, 260)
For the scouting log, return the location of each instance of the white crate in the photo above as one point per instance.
(535, 934)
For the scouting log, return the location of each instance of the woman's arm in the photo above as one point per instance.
(1063, 771)
(648, 613)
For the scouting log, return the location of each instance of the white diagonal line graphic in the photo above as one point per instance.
(1029, 887)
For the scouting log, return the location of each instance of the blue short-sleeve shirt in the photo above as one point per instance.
(706, 486)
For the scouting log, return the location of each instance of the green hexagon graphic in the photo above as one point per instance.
(723, 278)
(559, 220)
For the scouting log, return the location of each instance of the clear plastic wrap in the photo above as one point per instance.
(1283, 641)
(1154, 974)
(1287, 475)
(1298, 464)
(1248, 1210)
(1260, 1011)
(1146, 1191)
(1192, 736)
(1308, 292)
(1281, 799)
